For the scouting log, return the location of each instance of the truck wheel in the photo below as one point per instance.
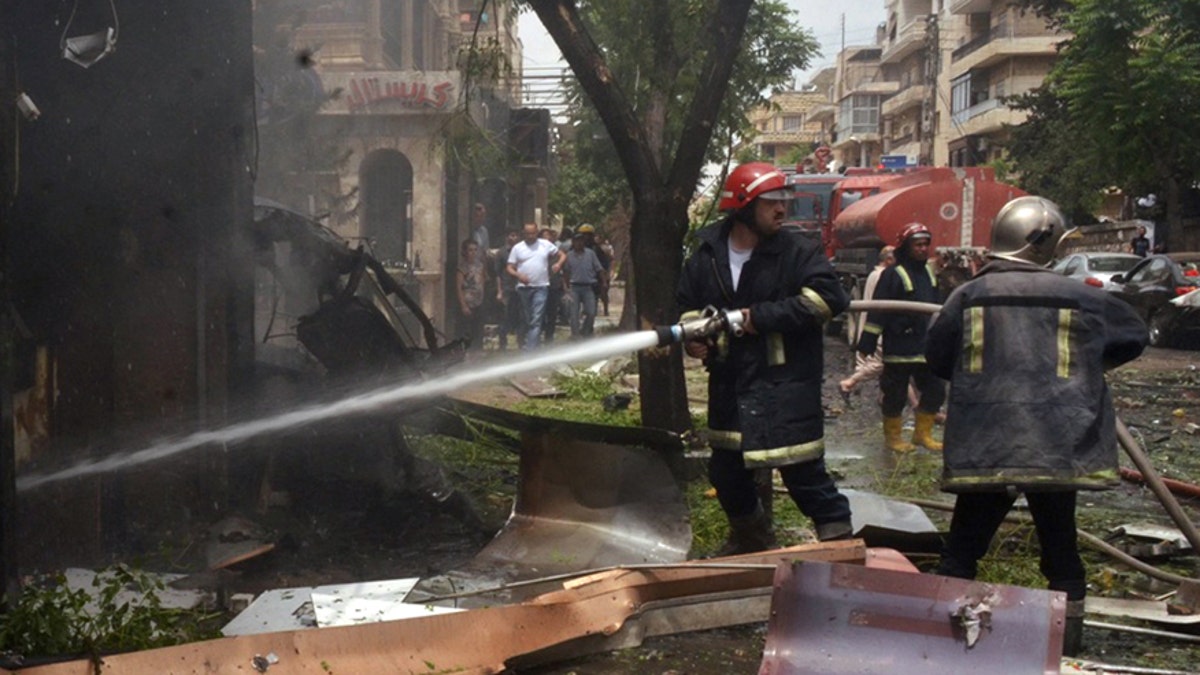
(853, 320)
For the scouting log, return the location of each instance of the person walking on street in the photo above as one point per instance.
(583, 274)
(1025, 352)
(506, 295)
(471, 280)
(531, 262)
(764, 385)
(903, 338)
(867, 367)
(554, 296)
(1140, 245)
(604, 255)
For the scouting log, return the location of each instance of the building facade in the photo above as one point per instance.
(1002, 51)
(909, 58)
(932, 87)
(786, 129)
(859, 90)
(390, 75)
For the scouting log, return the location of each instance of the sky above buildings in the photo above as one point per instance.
(822, 17)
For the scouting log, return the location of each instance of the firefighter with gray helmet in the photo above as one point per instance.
(765, 372)
(1025, 350)
(903, 335)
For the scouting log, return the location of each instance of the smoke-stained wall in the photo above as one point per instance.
(130, 262)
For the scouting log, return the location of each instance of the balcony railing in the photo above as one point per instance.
(1004, 31)
(908, 38)
(962, 116)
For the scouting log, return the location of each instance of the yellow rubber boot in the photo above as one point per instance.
(892, 431)
(923, 432)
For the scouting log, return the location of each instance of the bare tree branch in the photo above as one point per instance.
(727, 27)
(561, 20)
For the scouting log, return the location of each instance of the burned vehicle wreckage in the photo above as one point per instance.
(347, 321)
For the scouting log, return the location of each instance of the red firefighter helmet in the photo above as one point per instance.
(751, 181)
(912, 230)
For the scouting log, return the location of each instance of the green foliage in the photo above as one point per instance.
(1130, 80)
(583, 384)
(1048, 160)
(51, 619)
(1113, 110)
(592, 181)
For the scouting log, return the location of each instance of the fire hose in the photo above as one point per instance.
(713, 321)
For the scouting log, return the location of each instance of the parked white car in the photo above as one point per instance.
(1096, 268)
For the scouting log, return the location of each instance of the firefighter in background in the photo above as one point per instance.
(1025, 352)
(764, 386)
(911, 278)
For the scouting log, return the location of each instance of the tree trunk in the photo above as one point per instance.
(661, 188)
(657, 256)
(1173, 227)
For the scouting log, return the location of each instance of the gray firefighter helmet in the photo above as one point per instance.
(1029, 229)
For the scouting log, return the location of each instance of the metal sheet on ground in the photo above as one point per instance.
(535, 386)
(835, 618)
(476, 641)
(1145, 610)
(884, 522)
(284, 609)
(580, 505)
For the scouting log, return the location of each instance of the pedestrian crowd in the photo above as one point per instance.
(538, 280)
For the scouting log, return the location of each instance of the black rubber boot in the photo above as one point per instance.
(1073, 628)
(749, 534)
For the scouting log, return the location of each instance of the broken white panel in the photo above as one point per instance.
(1144, 610)
(79, 579)
(368, 602)
(273, 611)
(330, 605)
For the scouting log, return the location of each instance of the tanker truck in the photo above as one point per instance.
(867, 212)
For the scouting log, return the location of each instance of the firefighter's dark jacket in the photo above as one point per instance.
(764, 390)
(903, 333)
(1025, 351)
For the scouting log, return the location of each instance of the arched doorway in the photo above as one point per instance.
(386, 182)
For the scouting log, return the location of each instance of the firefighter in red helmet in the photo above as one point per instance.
(911, 278)
(764, 386)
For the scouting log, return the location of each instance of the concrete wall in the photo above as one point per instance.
(129, 264)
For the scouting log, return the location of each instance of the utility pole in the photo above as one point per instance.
(933, 57)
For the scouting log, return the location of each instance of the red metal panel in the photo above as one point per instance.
(837, 618)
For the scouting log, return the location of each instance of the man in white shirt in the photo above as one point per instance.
(531, 262)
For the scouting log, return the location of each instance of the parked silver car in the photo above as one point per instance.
(1096, 268)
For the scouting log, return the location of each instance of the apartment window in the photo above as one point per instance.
(397, 32)
(960, 93)
(859, 114)
(793, 122)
